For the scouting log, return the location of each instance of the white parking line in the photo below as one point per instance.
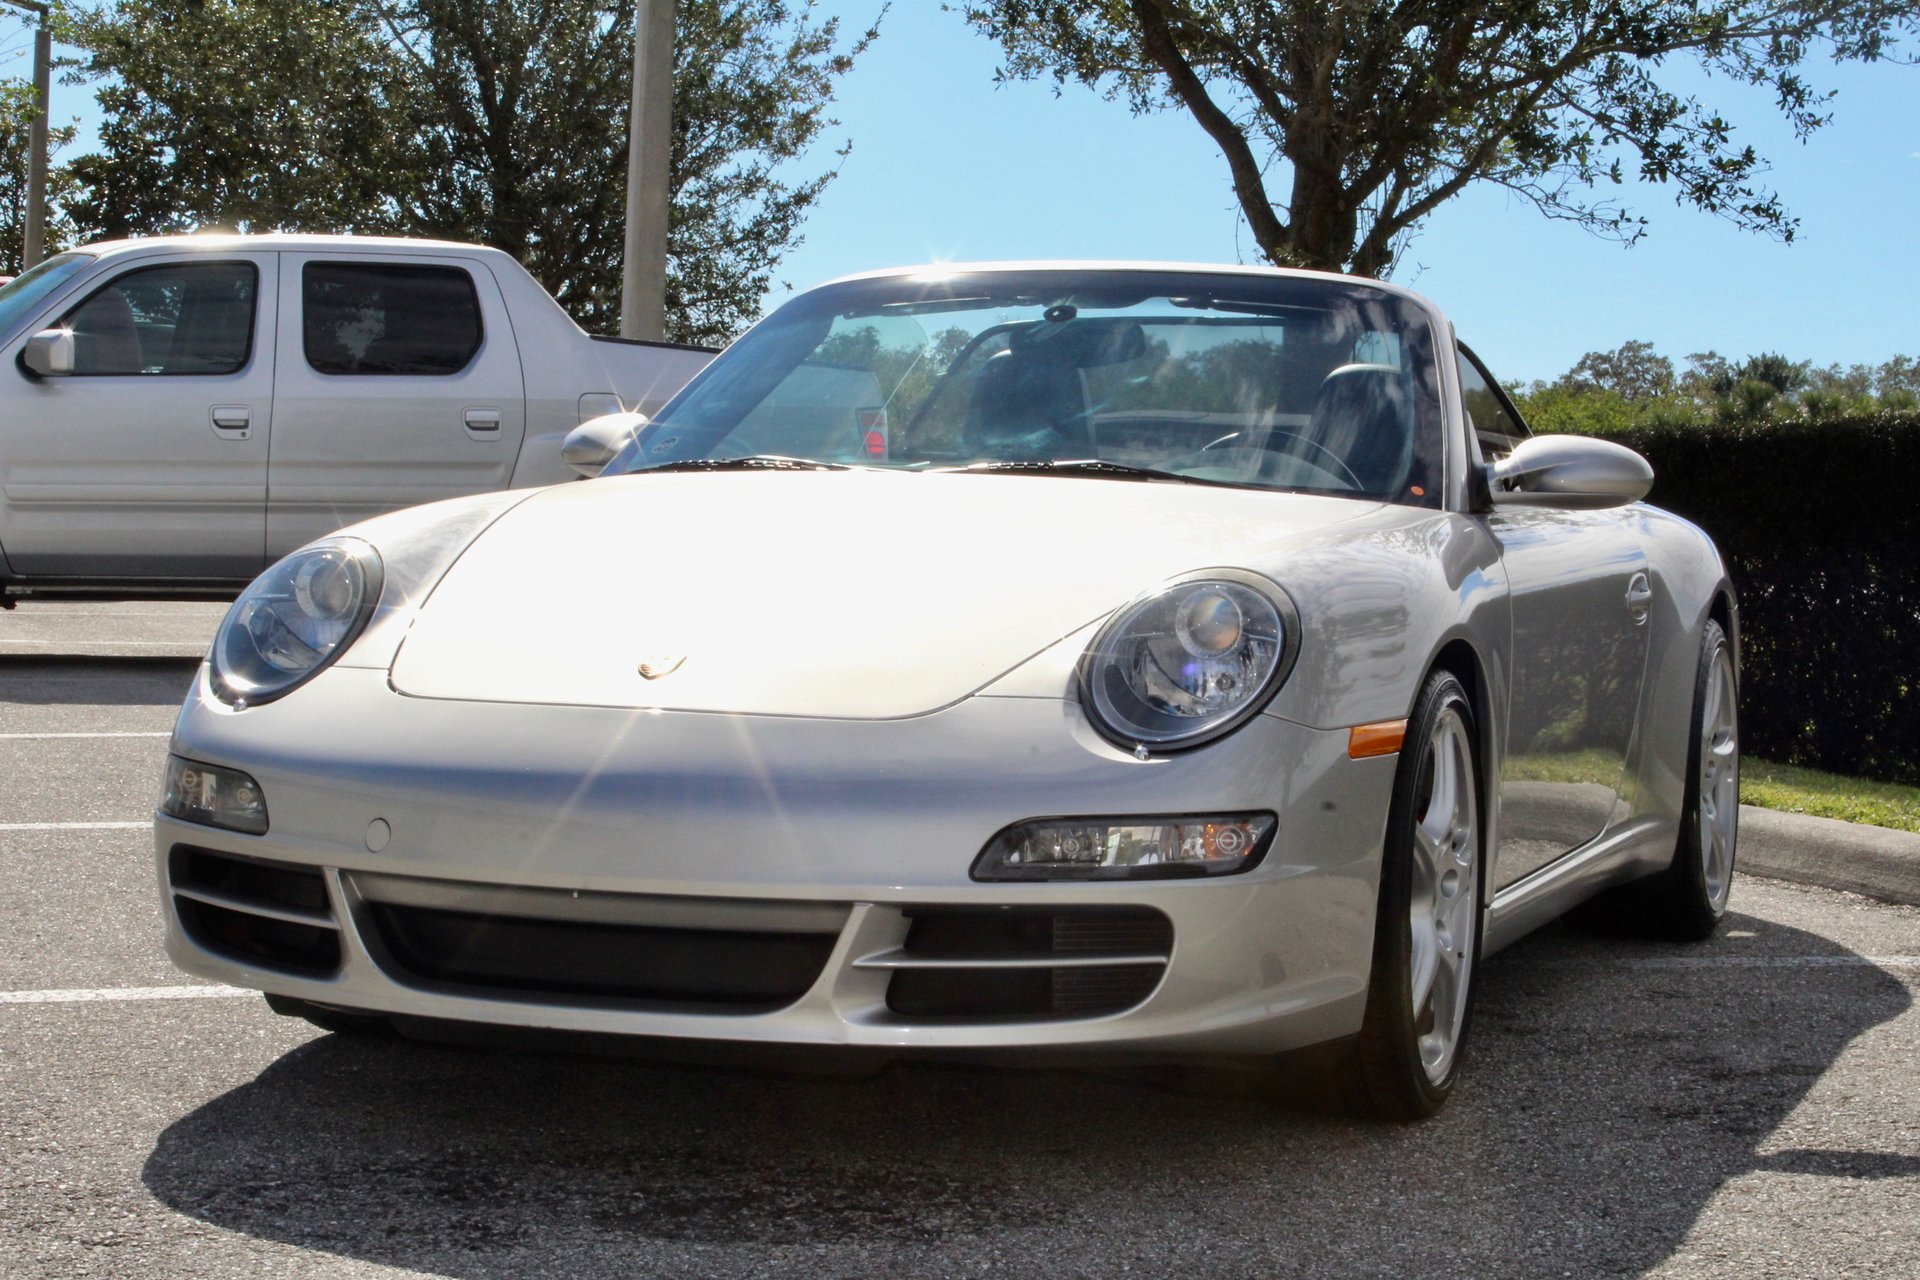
(71, 609)
(93, 649)
(92, 995)
(106, 644)
(75, 826)
(37, 737)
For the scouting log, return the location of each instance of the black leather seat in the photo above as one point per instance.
(1363, 415)
(1027, 409)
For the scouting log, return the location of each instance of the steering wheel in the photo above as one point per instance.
(1339, 470)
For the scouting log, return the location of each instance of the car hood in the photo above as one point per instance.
(855, 594)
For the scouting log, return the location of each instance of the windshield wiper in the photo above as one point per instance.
(752, 462)
(1076, 467)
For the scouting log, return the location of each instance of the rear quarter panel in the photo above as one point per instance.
(1688, 575)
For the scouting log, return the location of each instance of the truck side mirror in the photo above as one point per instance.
(590, 446)
(48, 354)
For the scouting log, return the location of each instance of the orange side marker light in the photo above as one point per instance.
(1381, 738)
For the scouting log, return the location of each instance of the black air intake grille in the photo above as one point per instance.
(1027, 965)
(596, 962)
(272, 914)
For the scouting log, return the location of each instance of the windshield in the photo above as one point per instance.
(1266, 381)
(24, 295)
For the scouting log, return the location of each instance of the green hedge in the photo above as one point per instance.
(1820, 526)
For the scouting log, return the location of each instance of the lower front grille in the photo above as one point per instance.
(598, 962)
(1025, 964)
(271, 914)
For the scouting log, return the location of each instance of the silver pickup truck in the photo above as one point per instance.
(177, 413)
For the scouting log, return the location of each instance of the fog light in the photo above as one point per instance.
(216, 797)
(1126, 848)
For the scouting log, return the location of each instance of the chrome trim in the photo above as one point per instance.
(246, 906)
(898, 958)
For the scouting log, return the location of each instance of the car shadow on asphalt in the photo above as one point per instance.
(1614, 1087)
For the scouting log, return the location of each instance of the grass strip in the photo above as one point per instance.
(1828, 795)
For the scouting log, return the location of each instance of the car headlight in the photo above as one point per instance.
(295, 619)
(1189, 662)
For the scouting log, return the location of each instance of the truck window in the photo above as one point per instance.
(181, 318)
(375, 318)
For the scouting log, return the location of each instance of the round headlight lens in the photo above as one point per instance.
(294, 619)
(1187, 664)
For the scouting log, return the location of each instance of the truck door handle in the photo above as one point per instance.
(487, 420)
(233, 421)
(1639, 597)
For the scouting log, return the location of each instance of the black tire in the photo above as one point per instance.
(1393, 1079)
(346, 1022)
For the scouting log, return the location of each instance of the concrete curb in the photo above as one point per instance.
(1872, 861)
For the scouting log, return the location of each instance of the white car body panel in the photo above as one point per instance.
(878, 673)
(405, 440)
(128, 475)
(848, 619)
(122, 484)
(875, 816)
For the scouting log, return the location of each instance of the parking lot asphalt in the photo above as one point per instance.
(1747, 1107)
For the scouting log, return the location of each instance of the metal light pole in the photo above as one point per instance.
(33, 243)
(643, 286)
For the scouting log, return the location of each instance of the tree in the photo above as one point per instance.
(1635, 371)
(468, 119)
(252, 115)
(524, 141)
(1898, 376)
(1609, 392)
(1380, 111)
(17, 109)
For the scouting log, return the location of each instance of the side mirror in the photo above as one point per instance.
(1569, 471)
(48, 354)
(590, 446)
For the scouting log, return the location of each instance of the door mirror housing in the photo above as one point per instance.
(590, 446)
(48, 354)
(1568, 471)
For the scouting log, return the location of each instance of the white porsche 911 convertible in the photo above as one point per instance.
(1157, 660)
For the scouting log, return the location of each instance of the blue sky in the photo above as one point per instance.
(947, 166)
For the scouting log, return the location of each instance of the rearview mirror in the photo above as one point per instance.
(1569, 471)
(48, 353)
(590, 446)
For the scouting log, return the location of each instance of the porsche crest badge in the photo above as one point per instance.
(655, 665)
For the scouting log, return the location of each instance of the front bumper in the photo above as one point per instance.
(698, 842)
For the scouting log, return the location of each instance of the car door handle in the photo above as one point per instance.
(233, 421)
(1639, 597)
(487, 420)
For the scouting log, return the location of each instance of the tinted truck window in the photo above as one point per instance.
(180, 318)
(371, 318)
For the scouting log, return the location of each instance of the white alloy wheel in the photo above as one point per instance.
(1426, 939)
(1443, 907)
(1718, 782)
